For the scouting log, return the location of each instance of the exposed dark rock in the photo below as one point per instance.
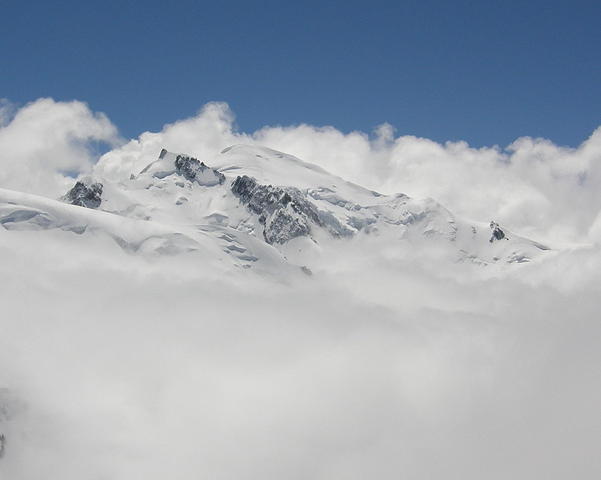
(194, 170)
(306, 270)
(285, 224)
(85, 194)
(283, 211)
(497, 233)
(267, 198)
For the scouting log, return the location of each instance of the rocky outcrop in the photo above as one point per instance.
(283, 211)
(192, 169)
(497, 233)
(85, 194)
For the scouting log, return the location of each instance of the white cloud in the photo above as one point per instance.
(6, 109)
(133, 367)
(45, 140)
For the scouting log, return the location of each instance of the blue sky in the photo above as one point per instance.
(485, 72)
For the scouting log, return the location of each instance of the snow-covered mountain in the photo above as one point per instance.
(253, 207)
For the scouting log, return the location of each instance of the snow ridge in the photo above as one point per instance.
(257, 208)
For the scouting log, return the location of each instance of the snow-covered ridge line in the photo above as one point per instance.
(256, 195)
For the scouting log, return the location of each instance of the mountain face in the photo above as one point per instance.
(85, 193)
(252, 207)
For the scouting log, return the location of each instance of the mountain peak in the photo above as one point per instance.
(257, 207)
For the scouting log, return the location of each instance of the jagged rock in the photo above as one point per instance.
(283, 211)
(85, 194)
(285, 224)
(497, 233)
(195, 171)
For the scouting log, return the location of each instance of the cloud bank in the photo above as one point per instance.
(134, 367)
